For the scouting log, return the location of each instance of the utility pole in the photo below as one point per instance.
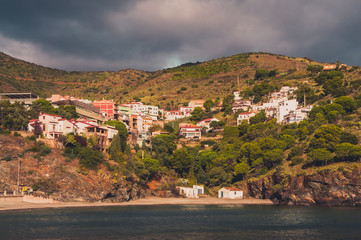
(18, 176)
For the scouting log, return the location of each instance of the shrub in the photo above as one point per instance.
(45, 150)
(16, 134)
(296, 160)
(4, 131)
(90, 158)
(7, 158)
(31, 138)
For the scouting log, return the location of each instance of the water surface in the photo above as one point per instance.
(183, 222)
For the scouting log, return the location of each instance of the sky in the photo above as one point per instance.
(156, 34)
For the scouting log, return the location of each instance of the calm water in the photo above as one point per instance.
(183, 222)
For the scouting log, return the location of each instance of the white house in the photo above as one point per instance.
(200, 188)
(207, 122)
(173, 115)
(186, 111)
(244, 116)
(196, 103)
(284, 108)
(188, 192)
(230, 193)
(298, 115)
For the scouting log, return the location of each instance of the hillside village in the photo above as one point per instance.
(252, 142)
(141, 120)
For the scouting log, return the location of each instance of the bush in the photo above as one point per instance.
(31, 138)
(296, 160)
(4, 131)
(45, 150)
(46, 185)
(8, 158)
(90, 158)
(16, 134)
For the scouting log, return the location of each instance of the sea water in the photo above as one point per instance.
(183, 222)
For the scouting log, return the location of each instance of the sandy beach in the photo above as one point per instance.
(19, 204)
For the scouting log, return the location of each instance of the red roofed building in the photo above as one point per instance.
(206, 122)
(190, 131)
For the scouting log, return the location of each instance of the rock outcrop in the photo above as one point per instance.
(327, 188)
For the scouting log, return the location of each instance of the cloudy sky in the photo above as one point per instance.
(156, 34)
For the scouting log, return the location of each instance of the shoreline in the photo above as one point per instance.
(18, 204)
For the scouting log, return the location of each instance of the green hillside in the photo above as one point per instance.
(168, 87)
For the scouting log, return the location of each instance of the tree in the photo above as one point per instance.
(261, 74)
(326, 136)
(349, 138)
(197, 114)
(163, 144)
(227, 104)
(289, 140)
(168, 128)
(181, 161)
(346, 151)
(315, 68)
(258, 118)
(89, 157)
(208, 105)
(251, 151)
(217, 124)
(230, 133)
(152, 165)
(115, 148)
(348, 103)
(314, 111)
(267, 143)
(42, 105)
(272, 73)
(122, 132)
(273, 157)
(334, 87)
(242, 169)
(308, 92)
(319, 156)
(218, 175)
(243, 127)
(323, 76)
(206, 158)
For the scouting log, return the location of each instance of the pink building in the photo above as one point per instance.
(106, 106)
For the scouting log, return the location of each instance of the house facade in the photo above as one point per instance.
(245, 116)
(188, 192)
(230, 193)
(206, 122)
(190, 131)
(106, 106)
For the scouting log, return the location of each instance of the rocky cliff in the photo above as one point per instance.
(59, 177)
(340, 187)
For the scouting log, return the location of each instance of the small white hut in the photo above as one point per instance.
(230, 193)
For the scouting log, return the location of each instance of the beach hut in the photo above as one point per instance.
(230, 193)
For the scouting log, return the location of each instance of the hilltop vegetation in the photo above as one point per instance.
(169, 87)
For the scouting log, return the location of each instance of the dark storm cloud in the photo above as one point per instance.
(153, 34)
